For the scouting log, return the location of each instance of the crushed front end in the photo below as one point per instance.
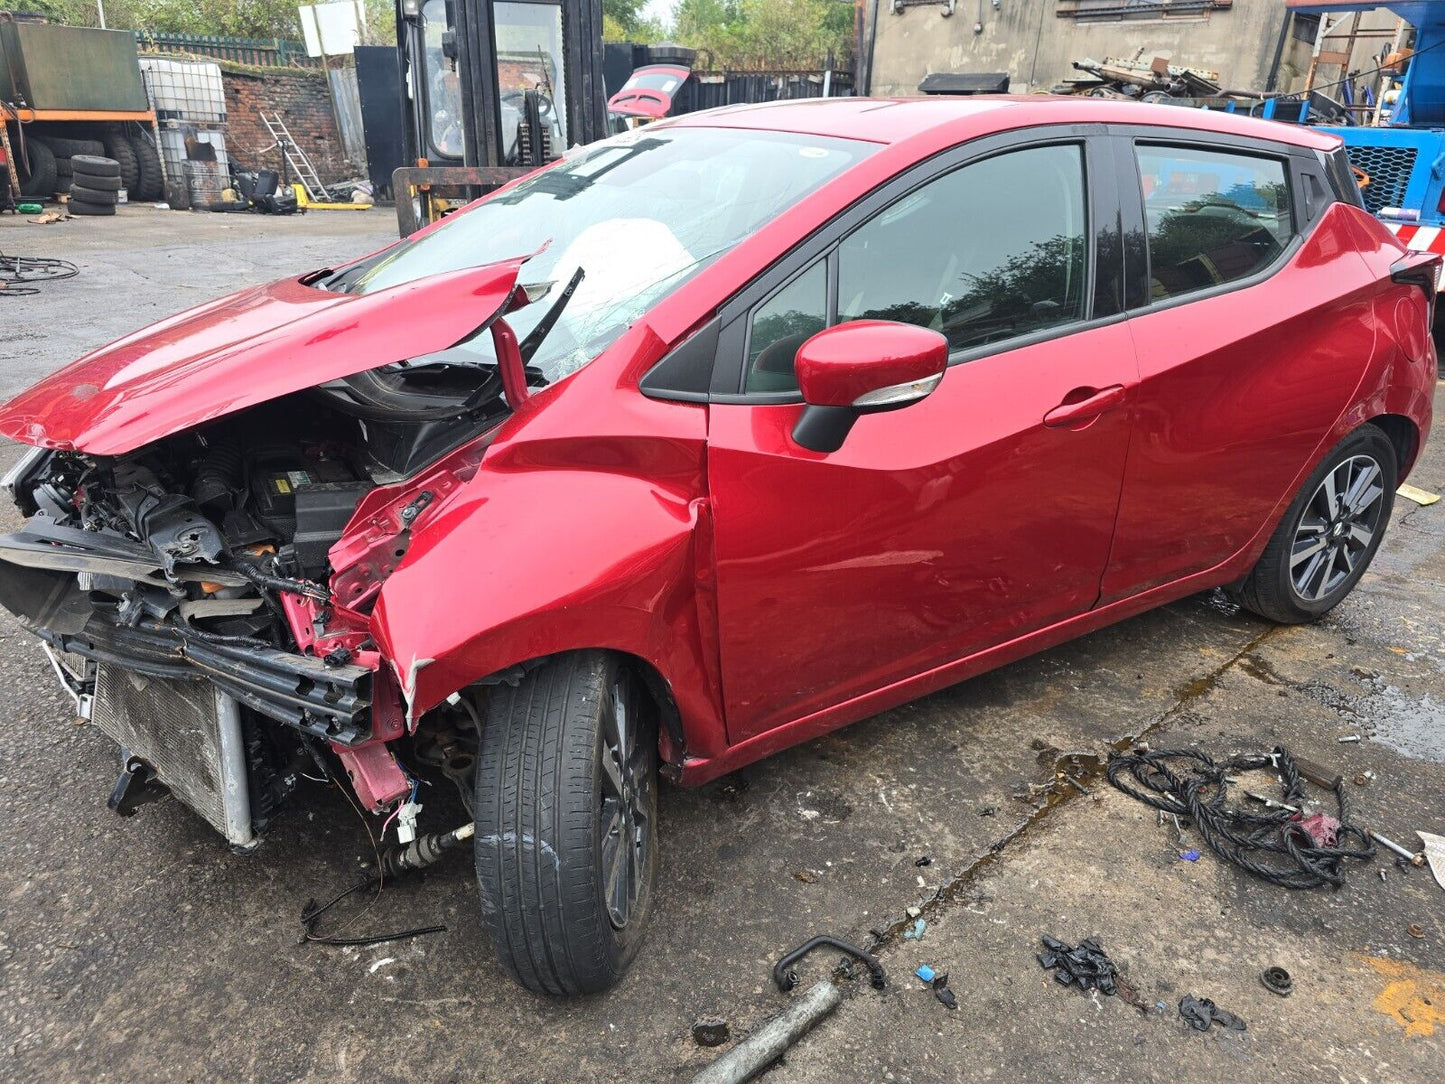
(205, 599)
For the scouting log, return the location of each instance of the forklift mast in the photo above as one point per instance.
(493, 88)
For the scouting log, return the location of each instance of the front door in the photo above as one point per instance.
(983, 512)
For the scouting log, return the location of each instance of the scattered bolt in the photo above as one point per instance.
(1382, 876)
(1361, 779)
(923, 861)
(1348, 738)
(1415, 930)
(710, 1031)
(1076, 784)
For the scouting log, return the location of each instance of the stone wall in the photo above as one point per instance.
(300, 96)
(1036, 42)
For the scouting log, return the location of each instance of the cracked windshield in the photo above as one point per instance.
(636, 215)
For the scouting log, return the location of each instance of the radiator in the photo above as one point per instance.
(189, 732)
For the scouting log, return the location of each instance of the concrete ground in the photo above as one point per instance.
(139, 949)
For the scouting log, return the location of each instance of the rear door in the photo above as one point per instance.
(1250, 314)
(958, 522)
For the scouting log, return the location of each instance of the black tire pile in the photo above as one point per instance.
(92, 171)
(95, 184)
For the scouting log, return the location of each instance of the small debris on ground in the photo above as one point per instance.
(807, 876)
(925, 974)
(1348, 739)
(1190, 855)
(1088, 966)
(942, 992)
(710, 1031)
(1277, 981)
(1200, 1013)
(1415, 930)
(1422, 497)
(988, 811)
(923, 860)
(915, 932)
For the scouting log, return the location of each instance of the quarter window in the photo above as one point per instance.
(781, 325)
(1213, 217)
(988, 252)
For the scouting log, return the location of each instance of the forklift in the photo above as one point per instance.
(492, 89)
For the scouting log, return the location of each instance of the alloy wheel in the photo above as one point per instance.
(1336, 528)
(626, 804)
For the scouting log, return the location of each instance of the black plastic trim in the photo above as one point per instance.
(686, 372)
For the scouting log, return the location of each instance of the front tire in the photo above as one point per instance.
(1329, 535)
(566, 822)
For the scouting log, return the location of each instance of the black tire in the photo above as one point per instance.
(542, 841)
(96, 184)
(117, 146)
(66, 148)
(1308, 541)
(94, 165)
(150, 182)
(93, 196)
(80, 207)
(62, 167)
(39, 182)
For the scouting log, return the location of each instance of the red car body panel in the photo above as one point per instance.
(779, 593)
(907, 547)
(245, 349)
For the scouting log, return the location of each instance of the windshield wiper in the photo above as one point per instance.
(533, 341)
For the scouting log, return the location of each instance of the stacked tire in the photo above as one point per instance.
(95, 184)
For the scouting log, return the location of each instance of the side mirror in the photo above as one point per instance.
(863, 367)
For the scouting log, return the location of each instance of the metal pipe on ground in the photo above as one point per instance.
(771, 1041)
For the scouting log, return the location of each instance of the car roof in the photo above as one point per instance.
(894, 120)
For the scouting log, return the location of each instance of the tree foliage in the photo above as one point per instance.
(763, 34)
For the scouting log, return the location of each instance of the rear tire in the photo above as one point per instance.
(1330, 533)
(566, 833)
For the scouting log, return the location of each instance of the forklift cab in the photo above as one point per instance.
(494, 88)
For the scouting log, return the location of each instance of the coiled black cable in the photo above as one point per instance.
(1272, 845)
(18, 274)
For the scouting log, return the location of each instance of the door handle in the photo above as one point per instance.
(1093, 403)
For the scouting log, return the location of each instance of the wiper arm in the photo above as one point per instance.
(533, 341)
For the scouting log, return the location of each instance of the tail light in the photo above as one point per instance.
(1420, 269)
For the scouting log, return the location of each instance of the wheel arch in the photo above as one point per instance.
(671, 737)
(1404, 436)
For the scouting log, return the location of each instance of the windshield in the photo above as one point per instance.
(638, 214)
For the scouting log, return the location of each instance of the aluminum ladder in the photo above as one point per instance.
(296, 159)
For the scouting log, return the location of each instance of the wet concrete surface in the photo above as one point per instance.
(141, 949)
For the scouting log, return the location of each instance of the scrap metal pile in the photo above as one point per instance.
(1154, 80)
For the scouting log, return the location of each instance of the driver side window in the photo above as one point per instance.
(989, 252)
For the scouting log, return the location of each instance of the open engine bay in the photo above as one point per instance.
(206, 605)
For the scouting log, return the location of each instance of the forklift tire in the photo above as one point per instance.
(96, 184)
(566, 821)
(94, 165)
(118, 147)
(39, 183)
(150, 181)
(80, 207)
(68, 148)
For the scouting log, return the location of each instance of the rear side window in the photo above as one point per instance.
(1214, 217)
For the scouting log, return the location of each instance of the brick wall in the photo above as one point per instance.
(300, 96)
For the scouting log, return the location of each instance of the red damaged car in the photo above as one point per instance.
(702, 442)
